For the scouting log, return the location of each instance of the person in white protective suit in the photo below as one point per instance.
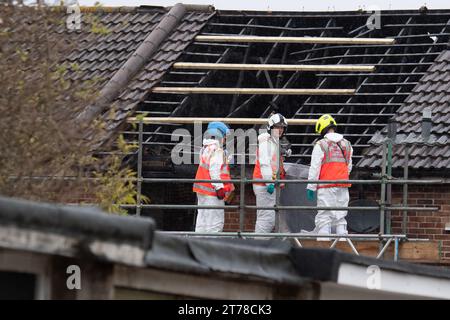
(213, 166)
(268, 163)
(331, 160)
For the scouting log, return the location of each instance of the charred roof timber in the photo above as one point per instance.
(415, 40)
(400, 72)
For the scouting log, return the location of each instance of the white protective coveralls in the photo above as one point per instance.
(211, 220)
(329, 197)
(267, 149)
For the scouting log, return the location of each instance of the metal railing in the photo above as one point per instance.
(385, 180)
(387, 238)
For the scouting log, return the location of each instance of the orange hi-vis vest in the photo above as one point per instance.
(203, 174)
(257, 175)
(335, 162)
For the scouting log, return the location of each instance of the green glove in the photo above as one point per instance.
(311, 195)
(271, 188)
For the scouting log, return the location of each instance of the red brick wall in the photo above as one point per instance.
(422, 224)
(232, 216)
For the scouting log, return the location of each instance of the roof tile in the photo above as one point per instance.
(433, 91)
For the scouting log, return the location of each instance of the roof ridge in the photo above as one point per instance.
(138, 58)
(98, 9)
(189, 7)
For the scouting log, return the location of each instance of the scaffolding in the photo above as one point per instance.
(270, 52)
(384, 237)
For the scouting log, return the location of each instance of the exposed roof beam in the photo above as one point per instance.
(396, 45)
(216, 90)
(294, 39)
(271, 67)
(214, 24)
(379, 74)
(148, 120)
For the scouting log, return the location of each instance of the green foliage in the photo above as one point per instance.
(96, 25)
(117, 184)
(139, 117)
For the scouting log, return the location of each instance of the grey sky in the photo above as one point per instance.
(286, 5)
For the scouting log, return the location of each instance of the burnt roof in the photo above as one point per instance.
(397, 88)
(379, 95)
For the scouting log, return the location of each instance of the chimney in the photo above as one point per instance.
(392, 129)
(426, 124)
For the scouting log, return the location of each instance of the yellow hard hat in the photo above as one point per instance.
(324, 122)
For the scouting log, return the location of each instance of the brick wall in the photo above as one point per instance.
(420, 224)
(232, 216)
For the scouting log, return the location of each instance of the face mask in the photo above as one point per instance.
(276, 133)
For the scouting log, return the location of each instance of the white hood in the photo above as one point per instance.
(210, 148)
(208, 142)
(335, 137)
(263, 137)
(267, 137)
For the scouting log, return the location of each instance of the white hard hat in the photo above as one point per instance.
(278, 120)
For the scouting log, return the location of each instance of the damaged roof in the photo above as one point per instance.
(433, 91)
(409, 74)
(420, 37)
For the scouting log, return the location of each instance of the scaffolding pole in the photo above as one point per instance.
(193, 206)
(192, 120)
(139, 172)
(242, 199)
(304, 181)
(263, 91)
(311, 40)
(300, 235)
(278, 187)
(405, 191)
(272, 67)
(383, 193)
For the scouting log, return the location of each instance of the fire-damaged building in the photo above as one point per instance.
(152, 69)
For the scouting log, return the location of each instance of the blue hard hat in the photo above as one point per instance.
(213, 133)
(224, 129)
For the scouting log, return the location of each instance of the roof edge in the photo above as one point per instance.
(135, 9)
(336, 12)
(139, 57)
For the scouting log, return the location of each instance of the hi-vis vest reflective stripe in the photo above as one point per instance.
(203, 174)
(334, 163)
(273, 163)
